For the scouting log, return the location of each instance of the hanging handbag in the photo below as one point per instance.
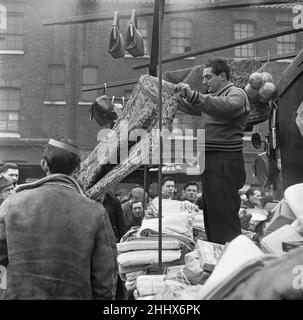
(134, 41)
(103, 111)
(116, 42)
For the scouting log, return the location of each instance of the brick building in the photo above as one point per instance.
(43, 67)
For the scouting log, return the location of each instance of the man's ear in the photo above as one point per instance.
(223, 75)
(44, 165)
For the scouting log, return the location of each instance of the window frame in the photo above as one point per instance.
(13, 110)
(281, 40)
(184, 38)
(246, 47)
(49, 84)
(13, 34)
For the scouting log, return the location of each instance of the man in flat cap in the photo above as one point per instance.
(54, 241)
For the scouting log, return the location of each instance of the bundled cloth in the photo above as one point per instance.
(143, 257)
(152, 284)
(131, 279)
(173, 207)
(177, 221)
(179, 224)
(145, 243)
(146, 268)
(185, 242)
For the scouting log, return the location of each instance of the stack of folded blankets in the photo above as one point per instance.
(140, 256)
(138, 253)
(178, 220)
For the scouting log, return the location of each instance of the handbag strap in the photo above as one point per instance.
(115, 24)
(133, 17)
(132, 22)
(116, 17)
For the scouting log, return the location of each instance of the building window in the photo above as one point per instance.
(287, 43)
(244, 30)
(12, 36)
(56, 83)
(180, 36)
(9, 109)
(142, 27)
(89, 78)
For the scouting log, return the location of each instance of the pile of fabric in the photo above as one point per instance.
(138, 249)
(178, 221)
(137, 256)
(148, 286)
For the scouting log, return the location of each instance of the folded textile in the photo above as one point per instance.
(151, 244)
(199, 233)
(137, 297)
(131, 234)
(152, 284)
(134, 275)
(147, 268)
(173, 207)
(123, 271)
(133, 258)
(177, 224)
(187, 293)
(186, 242)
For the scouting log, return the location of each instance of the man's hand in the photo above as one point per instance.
(184, 90)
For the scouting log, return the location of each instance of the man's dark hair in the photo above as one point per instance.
(8, 165)
(218, 66)
(167, 179)
(60, 160)
(191, 183)
(251, 191)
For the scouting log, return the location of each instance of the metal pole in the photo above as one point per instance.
(161, 9)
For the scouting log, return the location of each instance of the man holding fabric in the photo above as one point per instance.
(224, 113)
(54, 241)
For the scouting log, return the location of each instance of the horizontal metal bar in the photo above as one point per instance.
(109, 85)
(232, 44)
(149, 12)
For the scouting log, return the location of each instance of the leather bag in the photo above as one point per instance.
(134, 43)
(116, 41)
(103, 111)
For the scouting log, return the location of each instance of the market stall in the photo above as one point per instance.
(194, 268)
